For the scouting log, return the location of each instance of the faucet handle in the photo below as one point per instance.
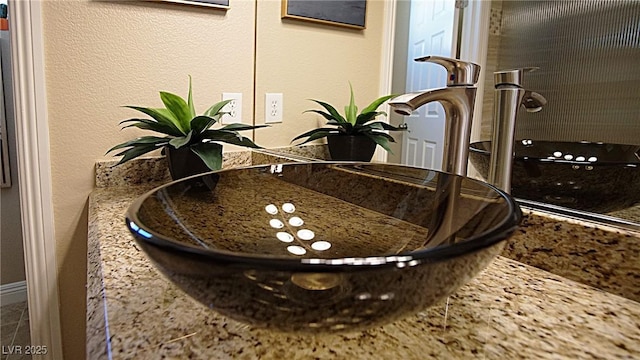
(460, 73)
(512, 77)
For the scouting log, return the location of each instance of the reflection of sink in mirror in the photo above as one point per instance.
(321, 247)
(586, 176)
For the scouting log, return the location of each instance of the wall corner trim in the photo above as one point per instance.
(386, 71)
(34, 169)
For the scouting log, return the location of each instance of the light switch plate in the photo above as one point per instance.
(273, 108)
(233, 108)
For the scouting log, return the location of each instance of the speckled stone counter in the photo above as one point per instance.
(604, 257)
(511, 310)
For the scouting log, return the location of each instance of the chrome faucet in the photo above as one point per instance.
(509, 96)
(458, 99)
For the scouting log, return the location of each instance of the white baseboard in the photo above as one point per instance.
(13, 293)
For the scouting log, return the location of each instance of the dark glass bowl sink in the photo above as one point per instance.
(321, 247)
(588, 176)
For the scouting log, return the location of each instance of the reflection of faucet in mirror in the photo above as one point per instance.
(458, 99)
(509, 96)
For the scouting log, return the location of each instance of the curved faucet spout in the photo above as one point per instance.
(533, 102)
(408, 103)
(458, 102)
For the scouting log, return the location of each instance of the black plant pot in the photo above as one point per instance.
(351, 147)
(183, 162)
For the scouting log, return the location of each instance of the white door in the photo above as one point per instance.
(432, 31)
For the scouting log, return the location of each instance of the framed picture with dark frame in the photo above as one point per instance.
(347, 13)
(220, 4)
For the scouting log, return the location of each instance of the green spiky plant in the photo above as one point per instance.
(183, 129)
(353, 123)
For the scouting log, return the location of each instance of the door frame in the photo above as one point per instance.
(473, 47)
(34, 175)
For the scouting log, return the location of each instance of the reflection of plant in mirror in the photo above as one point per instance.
(352, 123)
(184, 129)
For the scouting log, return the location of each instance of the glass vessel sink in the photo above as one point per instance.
(586, 176)
(322, 247)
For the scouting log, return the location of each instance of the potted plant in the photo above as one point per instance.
(353, 136)
(191, 146)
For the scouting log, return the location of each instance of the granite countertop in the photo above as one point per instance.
(510, 310)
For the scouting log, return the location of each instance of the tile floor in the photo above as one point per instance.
(14, 331)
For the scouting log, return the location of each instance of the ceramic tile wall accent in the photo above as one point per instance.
(495, 25)
(495, 21)
(486, 121)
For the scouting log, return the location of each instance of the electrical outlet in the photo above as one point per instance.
(233, 108)
(273, 108)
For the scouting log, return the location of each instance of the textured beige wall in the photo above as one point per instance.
(306, 60)
(101, 55)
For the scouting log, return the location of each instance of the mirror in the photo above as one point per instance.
(582, 150)
(305, 60)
